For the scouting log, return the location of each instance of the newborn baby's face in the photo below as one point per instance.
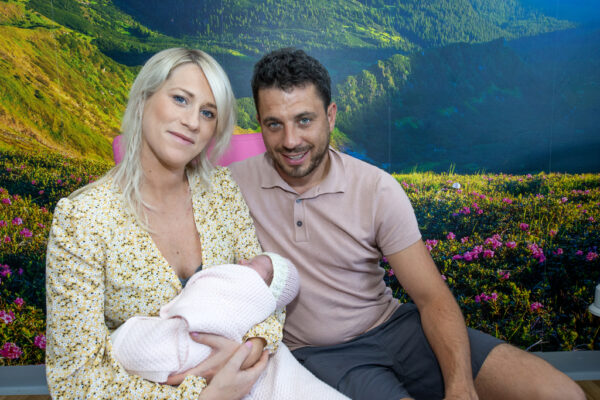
(262, 265)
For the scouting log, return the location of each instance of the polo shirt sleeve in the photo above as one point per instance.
(396, 226)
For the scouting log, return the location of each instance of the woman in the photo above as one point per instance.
(124, 245)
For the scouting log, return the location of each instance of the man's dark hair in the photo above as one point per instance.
(288, 68)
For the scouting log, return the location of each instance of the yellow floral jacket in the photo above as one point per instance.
(102, 269)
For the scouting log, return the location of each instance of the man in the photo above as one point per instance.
(334, 217)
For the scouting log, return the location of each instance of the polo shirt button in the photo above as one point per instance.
(299, 223)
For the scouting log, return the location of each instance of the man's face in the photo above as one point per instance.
(296, 130)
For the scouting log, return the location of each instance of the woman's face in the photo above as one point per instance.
(179, 119)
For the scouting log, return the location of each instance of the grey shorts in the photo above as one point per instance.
(391, 361)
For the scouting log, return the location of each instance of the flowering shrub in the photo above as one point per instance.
(520, 253)
(30, 187)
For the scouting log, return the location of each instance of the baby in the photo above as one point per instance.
(225, 300)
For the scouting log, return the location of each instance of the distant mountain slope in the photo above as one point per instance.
(58, 92)
(523, 106)
(347, 35)
(404, 25)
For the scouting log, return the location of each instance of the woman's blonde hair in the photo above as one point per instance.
(128, 174)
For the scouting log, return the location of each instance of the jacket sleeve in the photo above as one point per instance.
(79, 357)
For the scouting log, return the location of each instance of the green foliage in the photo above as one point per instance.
(30, 187)
(532, 301)
(497, 106)
(527, 284)
(246, 114)
(253, 27)
(59, 93)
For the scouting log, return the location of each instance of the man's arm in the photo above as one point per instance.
(441, 317)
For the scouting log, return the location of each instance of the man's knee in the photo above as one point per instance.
(509, 372)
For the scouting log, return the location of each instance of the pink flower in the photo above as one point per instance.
(457, 257)
(10, 351)
(579, 253)
(591, 256)
(19, 301)
(2, 222)
(450, 236)
(464, 240)
(391, 272)
(431, 242)
(539, 196)
(40, 341)
(17, 221)
(494, 241)
(40, 225)
(6, 201)
(503, 275)
(41, 192)
(20, 271)
(33, 182)
(591, 219)
(552, 232)
(537, 252)
(511, 244)
(465, 210)
(468, 256)
(494, 296)
(59, 181)
(523, 226)
(536, 306)
(564, 200)
(384, 259)
(7, 316)
(507, 200)
(7, 239)
(529, 176)
(488, 253)
(26, 232)
(558, 251)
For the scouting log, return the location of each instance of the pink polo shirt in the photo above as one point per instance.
(335, 234)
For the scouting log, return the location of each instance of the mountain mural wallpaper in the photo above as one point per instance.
(486, 111)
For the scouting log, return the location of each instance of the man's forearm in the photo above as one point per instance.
(446, 332)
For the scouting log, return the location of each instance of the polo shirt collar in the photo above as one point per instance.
(334, 182)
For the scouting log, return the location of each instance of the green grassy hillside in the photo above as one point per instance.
(58, 92)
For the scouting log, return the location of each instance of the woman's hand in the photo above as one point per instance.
(258, 345)
(231, 382)
(222, 350)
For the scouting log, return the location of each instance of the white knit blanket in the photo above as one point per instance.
(226, 300)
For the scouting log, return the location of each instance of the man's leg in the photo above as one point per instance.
(511, 373)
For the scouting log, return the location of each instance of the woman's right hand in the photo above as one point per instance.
(231, 382)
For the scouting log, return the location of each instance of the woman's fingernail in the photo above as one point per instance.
(248, 345)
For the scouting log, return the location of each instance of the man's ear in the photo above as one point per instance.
(331, 113)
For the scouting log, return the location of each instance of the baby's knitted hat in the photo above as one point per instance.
(285, 283)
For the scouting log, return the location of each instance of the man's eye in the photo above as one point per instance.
(179, 99)
(305, 121)
(274, 125)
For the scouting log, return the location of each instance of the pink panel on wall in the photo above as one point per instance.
(240, 148)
